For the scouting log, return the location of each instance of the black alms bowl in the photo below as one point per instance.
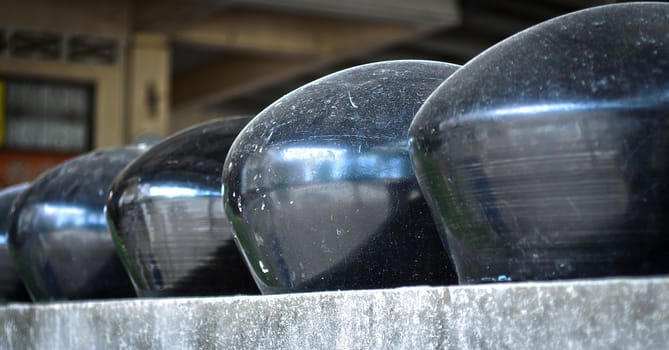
(547, 156)
(11, 286)
(320, 190)
(166, 214)
(58, 235)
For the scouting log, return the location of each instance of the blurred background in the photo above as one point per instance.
(82, 74)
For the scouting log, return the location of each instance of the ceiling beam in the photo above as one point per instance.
(457, 43)
(493, 24)
(105, 18)
(265, 31)
(264, 48)
(581, 4)
(231, 75)
(168, 16)
(426, 12)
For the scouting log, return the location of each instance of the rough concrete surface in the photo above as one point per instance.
(598, 314)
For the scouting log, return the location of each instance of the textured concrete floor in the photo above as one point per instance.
(601, 314)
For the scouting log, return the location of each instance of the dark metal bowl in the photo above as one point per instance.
(547, 156)
(320, 190)
(166, 214)
(58, 235)
(11, 286)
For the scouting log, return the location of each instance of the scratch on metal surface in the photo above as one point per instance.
(351, 100)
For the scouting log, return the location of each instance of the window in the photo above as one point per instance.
(50, 116)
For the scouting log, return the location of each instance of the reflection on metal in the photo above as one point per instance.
(66, 215)
(320, 189)
(546, 156)
(171, 191)
(58, 233)
(11, 287)
(167, 216)
(333, 163)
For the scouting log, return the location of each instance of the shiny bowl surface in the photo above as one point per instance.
(58, 235)
(11, 286)
(547, 156)
(166, 214)
(320, 189)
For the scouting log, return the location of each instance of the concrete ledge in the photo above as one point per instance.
(596, 314)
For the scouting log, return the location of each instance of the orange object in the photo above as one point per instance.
(21, 166)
